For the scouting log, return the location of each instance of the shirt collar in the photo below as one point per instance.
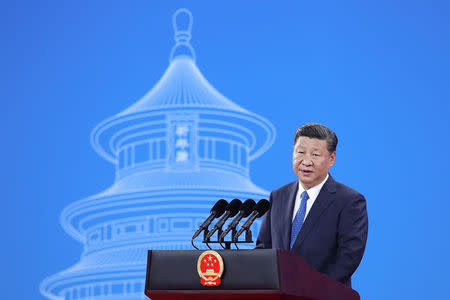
(314, 191)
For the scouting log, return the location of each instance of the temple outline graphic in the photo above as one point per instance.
(177, 150)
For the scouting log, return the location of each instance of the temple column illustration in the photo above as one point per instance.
(177, 150)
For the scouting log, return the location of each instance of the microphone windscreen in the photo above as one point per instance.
(247, 207)
(233, 207)
(219, 207)
(262, 207)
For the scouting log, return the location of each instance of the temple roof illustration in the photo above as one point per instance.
(183, 87)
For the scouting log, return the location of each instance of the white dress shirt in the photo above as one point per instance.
(312, 193)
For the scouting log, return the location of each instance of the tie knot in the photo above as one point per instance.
(305, 195)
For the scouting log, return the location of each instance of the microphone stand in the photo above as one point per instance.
(222, 242)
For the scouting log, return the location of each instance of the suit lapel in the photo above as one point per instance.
(287, 209)
(323, 201)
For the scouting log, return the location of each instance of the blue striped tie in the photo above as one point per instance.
(298, 220)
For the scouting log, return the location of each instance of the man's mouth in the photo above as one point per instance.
(306, 172)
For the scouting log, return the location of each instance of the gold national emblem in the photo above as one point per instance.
(210, 268)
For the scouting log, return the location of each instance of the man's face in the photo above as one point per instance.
(311, 161)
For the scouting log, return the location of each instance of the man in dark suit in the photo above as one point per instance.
(316, 217)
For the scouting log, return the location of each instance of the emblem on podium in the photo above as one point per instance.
(210, 268)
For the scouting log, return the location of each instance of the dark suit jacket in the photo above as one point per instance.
(333, 236)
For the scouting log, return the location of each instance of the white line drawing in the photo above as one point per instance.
(177, 150)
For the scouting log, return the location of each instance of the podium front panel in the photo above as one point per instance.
(243, 270)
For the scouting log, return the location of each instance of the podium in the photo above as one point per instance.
(260, 274)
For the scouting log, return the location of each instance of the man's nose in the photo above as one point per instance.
(307, 162)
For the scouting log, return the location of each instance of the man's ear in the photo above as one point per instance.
(332, 158)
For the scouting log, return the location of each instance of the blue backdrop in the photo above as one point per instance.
(377, 73)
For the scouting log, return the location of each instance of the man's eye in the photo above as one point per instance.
(316, 155)
(300, 152)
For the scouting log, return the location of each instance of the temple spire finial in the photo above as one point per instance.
(182, 24)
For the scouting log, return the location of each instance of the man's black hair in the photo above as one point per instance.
(318, 131)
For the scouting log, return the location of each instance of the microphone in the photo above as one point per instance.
(216, 211)
(244, 211)
(230, 212)
(258, 211)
